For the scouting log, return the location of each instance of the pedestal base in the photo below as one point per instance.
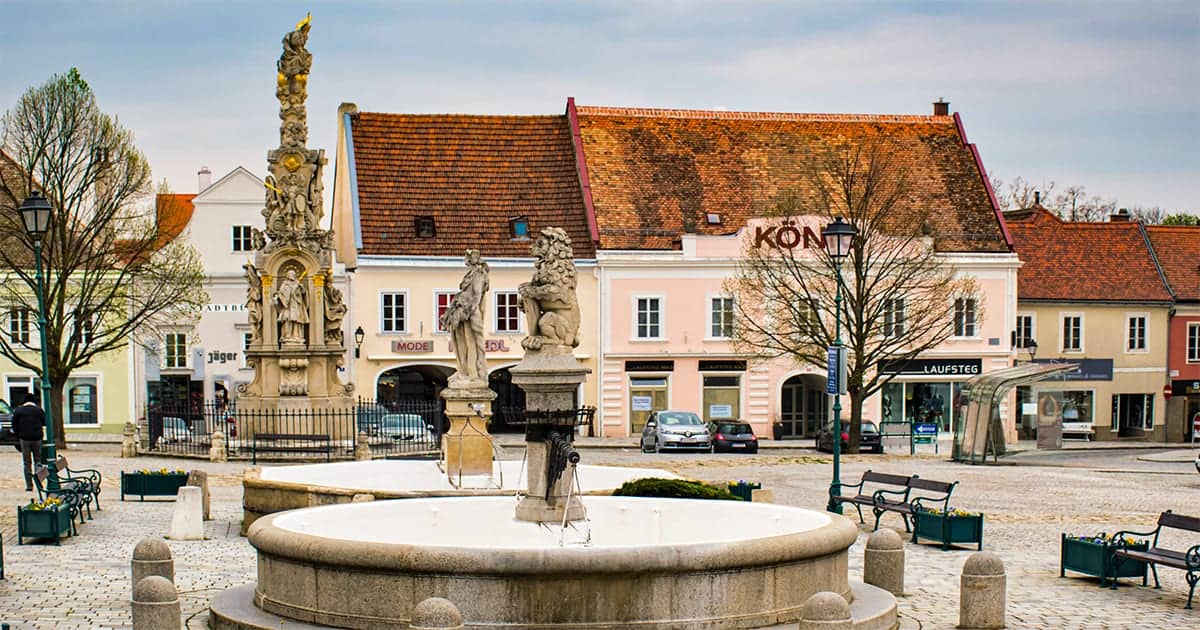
(538, 510)
(467, 447)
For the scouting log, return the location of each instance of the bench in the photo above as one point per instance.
(934, 495)
(1155, 555)
(71, 497)
(87, 479)
(866, 496)
(278, 443)
(1086, 429)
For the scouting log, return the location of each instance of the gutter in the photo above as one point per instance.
(581, 169)
(962, 134)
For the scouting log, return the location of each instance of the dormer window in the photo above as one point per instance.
(519, 227)
(713, 218)
(426, 227)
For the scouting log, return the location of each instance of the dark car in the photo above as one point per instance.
(869, 439)
(733, 436)
(6, 433)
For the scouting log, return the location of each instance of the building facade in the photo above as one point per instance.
(1177, 250)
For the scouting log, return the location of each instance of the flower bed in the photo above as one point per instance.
(144, 483)
(1092, 555)
(948, 527)
(48, 519)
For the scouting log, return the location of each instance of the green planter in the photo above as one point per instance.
(744, 490)
(54, 522)
(948, 529)
(1093, 558)
(151, 485)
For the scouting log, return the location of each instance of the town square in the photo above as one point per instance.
(361, 347)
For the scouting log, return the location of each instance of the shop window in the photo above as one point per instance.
(1072, 333)
(508, 312)
(393, 312)
(1135, 338)
(19, 325)
(646, 394)
(242, 238)
(893, 317)
(965, 311)
(442, 301)
(1024, 336)
(721, 317)
(175, 351)
(649, 318)
(1132, 413)
(722, 398)
(82, 398)
(1068, 405)
(1193, 343)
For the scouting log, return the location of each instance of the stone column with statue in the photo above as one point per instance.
(466, 446)
(551, 375)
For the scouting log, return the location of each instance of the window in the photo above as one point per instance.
(1067, 405)
(442, 301)
(80, 406)
(1072, 333)
(519, 227)
(83, 327)
(1133, 412)
(508, 315)
(649, 318)
(1135, 338)
(175, 352)
(722, 317)
(1193, 343)
(393, 312)
(19, 325)
(1024, 336)
(893, 317)
(242, 240)
(246, 337)
(964, 317)
(426, 228)
(722, 398)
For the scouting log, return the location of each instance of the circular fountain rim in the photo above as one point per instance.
(836, 535)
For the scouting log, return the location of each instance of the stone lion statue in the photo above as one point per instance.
(549, 301)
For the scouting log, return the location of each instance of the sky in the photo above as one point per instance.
(1101, 94)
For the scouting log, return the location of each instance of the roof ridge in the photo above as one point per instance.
(463, 115)
(657, 112)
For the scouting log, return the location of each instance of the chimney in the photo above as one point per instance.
(1120, 216)
(205, 178)
(941, 107)
(1037, 198)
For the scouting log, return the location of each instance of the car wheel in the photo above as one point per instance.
(753, 451)
(879, 449)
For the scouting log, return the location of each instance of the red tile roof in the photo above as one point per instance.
(472, 174)
(174, 212)
(1070, 262)
(1178, 250)
(654, 172)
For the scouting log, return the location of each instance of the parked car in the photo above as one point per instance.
(675, 430)
(405, 426)
(176, 429)
(369, 416)
(733, 436)
(869, 439)
(6, 433)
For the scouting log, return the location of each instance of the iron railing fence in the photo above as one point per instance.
(394, 428)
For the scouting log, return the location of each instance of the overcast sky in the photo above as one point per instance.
(1100, 94)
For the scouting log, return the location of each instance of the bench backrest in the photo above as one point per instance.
(1179, 521)
(886, 478)
(61, 463)
(916, 483)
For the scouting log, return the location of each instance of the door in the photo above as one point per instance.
(722, 398)
(803, 408)
(816, 410)
(645, 395)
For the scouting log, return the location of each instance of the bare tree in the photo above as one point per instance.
(898, 294)
(112, 275)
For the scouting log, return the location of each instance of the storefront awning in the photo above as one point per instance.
(981, 430)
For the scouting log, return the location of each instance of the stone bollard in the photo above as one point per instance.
(983, 591)
(825, 611)
(883, 561)
(156, 605)
(152, 556)
(187, 523)
(129, 439)
(199, 479)
(436, 613)
(216, 452)
(362, 447)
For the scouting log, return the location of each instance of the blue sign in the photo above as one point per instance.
(835, 370)
(924, 428)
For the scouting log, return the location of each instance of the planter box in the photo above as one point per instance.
(948, 529)
(154, 485)
(1091, 558)
(52, 522)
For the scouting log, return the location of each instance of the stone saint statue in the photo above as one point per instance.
(549, 301)
(335, 311)
(464, 319)
(254, 298)
(292, 301)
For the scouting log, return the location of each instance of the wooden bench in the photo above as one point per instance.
(1086, 429)
(1155, 555)
(865, 495)
(317, 443)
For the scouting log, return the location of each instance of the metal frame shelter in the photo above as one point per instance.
(981, 431)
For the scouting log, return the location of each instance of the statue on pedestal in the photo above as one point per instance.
(335, 311)
(549, 301)
(292, 300)
(464, 319)
(254, 298)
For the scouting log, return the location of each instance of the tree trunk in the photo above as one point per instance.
(56, 410)
(854, 422)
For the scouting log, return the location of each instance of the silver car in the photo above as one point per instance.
(405, 426)
(675, 430)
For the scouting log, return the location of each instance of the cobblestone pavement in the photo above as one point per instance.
(85, 582)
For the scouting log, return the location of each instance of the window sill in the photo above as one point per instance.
(648, 339)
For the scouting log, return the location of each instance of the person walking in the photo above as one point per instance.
(29, 423)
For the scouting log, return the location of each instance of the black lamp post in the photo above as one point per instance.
(839, 238)
(35, 214)
(1031, 348)
(359, 335)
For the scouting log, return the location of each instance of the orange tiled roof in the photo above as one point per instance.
(1065, 261)
(654, 171)
(174, 212)
(472, 174)
(1178, 250)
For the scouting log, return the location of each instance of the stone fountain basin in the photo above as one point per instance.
(652, 563)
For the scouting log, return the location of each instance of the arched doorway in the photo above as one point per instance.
(411, 383)
(803, 406)
(508, 409)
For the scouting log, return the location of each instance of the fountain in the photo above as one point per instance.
(547, 558)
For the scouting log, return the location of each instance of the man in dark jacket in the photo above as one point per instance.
(29, 423)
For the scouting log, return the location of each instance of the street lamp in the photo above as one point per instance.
(359, 335)
(839, 238)
(35, 214)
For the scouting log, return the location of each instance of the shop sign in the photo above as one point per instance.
(725, 365)
(787, 235)
(224, 308)
(222, 357)
(649, 366)
(1185, 388)
(1087, 370)
(495, 345)
(933, 367)
(412, 345)
(720, 411)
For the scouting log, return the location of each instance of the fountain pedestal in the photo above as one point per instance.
(551, 378)
(466, 446)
